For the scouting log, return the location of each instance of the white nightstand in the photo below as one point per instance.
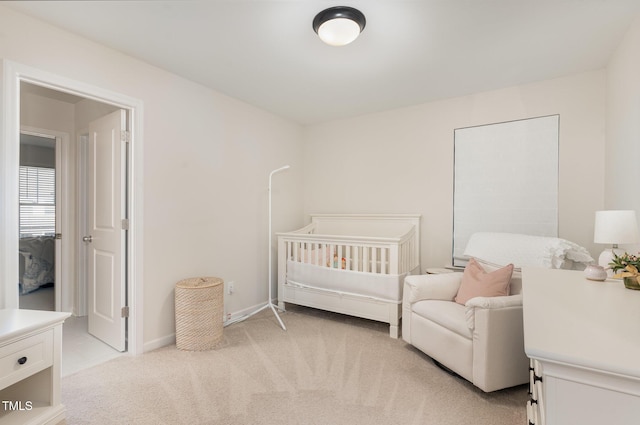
(438, 270)
(30, 355)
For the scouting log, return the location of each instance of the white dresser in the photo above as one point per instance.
(584, 337)
(30, 352)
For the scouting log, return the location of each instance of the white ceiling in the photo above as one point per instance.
(266, 53)
(26, 88)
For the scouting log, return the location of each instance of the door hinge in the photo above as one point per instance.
(58, 235)
(125, 224)
(125, 136)
(125, 311)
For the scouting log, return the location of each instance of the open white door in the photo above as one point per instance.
(106, 238)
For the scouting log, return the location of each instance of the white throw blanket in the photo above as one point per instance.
(527, 250)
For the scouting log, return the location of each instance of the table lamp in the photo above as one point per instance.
(614, 227)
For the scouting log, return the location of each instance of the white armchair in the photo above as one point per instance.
(482, 341)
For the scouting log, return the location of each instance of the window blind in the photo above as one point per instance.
(37, 201)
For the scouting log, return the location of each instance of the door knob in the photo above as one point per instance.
(87, 238)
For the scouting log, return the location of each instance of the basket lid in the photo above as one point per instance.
(199, 282)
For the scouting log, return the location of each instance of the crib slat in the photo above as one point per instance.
(405, 257)
(323, 254)
(332, 253)
(394, 267)
(365, 258)
(295, 251)
(374, 260)
(356, 258)
(348, 257)
(383, 260)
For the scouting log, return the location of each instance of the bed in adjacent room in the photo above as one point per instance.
(36, 258)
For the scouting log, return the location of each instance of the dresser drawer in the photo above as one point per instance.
(35, 352)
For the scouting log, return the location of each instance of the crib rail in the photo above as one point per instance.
(391, 256)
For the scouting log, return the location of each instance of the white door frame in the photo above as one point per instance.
(81, 228)
(12, 75)
(64, 276)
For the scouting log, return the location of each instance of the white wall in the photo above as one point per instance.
(402, 160)
(623, 125)
(206, 162)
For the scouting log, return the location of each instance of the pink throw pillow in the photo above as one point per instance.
(478, 283)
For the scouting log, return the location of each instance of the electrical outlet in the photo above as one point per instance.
(231, 287)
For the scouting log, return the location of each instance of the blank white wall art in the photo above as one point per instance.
(505, 180)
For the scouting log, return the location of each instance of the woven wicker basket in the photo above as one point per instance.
(199, 311)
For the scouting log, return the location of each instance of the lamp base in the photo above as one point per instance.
(606, 257)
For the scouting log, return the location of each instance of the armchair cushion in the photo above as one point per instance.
(447, 314)
(476, 282)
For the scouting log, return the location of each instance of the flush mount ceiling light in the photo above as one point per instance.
(340, 25)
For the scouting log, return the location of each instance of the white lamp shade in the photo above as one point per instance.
(616, 227)
(339, 31)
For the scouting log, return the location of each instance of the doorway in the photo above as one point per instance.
(43, 230)
(15, 77)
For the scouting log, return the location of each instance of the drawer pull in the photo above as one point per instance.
(22, 360)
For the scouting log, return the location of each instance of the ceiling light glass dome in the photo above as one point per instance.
(339, 26)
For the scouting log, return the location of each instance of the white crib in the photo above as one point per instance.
(352, 264)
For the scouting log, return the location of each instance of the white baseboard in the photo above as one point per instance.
(159, 343)
(171, 339)
(239, 315)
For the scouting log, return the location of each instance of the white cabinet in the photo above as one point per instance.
(583, 337)
(30, 352)
(535, 405)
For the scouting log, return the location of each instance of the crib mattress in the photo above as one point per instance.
(382, 287)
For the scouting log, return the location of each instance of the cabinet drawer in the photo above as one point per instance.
(36, 352)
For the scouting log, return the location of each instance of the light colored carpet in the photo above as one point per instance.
(325, 369)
